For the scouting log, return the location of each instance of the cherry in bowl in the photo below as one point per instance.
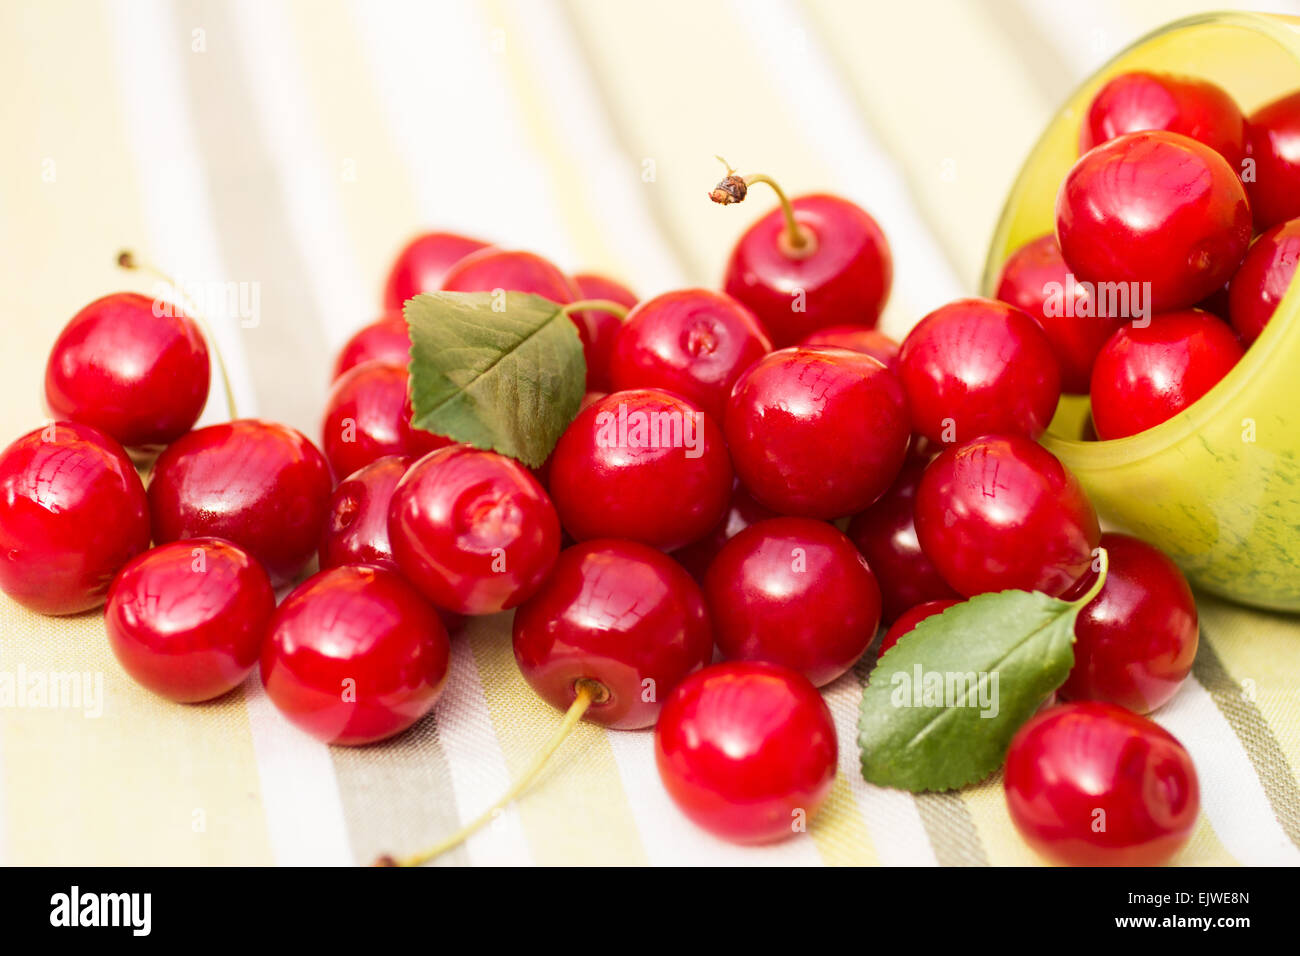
(1273, 143)
(1263, 279)
(857, 338)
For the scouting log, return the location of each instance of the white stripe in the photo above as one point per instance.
(300, 798)
(1231, 794)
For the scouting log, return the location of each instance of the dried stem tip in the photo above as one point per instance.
(731, 189)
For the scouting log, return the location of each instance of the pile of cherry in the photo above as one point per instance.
(829, 481)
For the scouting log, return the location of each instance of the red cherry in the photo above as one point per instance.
(1132, 102)
(1037, 280)
(886, 535)
(795, 592)
(913, 616)
(1154, 207)
(1091, 784)
(1135, 641)
(817, 432)
(1273, 142)
(593, 286)
(355, 655)
(187, 619)
(423, 263)
(644, 465)
(977, 366)
(356, 531)
(260, 485)
(368, 416)
(857, 338)
(72, 512)
(1001, 512)
(598, 329)
(1145, 376)
(692, 342)
(385, 340)
(743, 512)
(747, 750)
(135, 368)
(1263, 279)
(619, 615)
(841, 274)
(473, 530)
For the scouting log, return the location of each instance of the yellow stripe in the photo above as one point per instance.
(839, 831)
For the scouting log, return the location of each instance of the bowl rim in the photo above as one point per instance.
(1099, 455)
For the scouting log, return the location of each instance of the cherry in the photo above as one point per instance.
(600, 328)
(133, 367)
(355, 655)
(857, 338)
(1001, 512)
(742, 512)
(747, 750)
(808, 264)
(644, 465)
(693, 342)
(593, 286)
(384, 340)
(1263, 278)
(1137, 101)
(977, 366)
(620, 618)
(1090, 784)
(72, 512)
(423, 263)
(907, 621)
(1135, 641)
(187, 619)
(473, 530)
(796, 592)
(1036, 279)
(1145, 376)
(1273, 142)
(260, 485)
(886, 535)
(1156, 208)
(817, 432)
(356, 531)
(368, 416)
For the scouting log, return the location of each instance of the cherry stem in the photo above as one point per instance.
(588, 692)
(596, 305)
(1103, 568)
(129, 261)
(797, 239)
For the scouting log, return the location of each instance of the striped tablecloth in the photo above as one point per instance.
(291, 146)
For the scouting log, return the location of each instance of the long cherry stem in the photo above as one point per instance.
(596, 305)
(129, 261)
(588, 693)
(798, 239)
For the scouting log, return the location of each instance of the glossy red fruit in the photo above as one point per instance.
(1145, 376)
(593, 286)
(1037, 280)
(1263, 279)
(473, 530)
(260, 485)
(817, 432)
(692, 342)
(1136, 640)
(368, 416)
(599, 330)
(356, 531)
(1273, 142)
(842, 276)
(907, 621)
(643, 465)
(355, 655)
(1090, 784)
(1001, 512)
(976, 366)
(423, 263)
(1154, 207)
(385, 340)
(747, 751)
(795, 592)
(72, 512)
(741, 513)
(187, 619)
(139, 376)
(857, 338)
(886, 535)
(619, 614)
(1197, 108)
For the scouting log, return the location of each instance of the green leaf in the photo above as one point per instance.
(944, 702)
(509, 378)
